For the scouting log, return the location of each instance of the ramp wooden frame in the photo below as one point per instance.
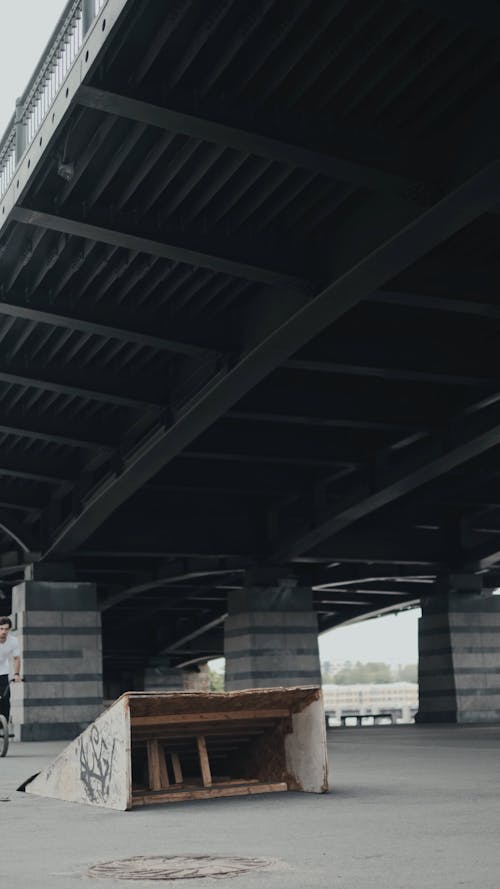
(175, 746)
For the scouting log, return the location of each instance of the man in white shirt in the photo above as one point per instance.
(9, 648)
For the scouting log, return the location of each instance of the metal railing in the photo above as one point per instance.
(33, 106)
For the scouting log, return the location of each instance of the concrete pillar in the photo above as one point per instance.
(197, 679)
(271, 636)
(459, 655)
(58, 626)
(160, 676)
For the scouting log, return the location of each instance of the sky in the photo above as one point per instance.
(392, 639)
(21, 46)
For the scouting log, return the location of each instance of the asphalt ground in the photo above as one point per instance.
(410, 806)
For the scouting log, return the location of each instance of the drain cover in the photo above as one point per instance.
(175, 867)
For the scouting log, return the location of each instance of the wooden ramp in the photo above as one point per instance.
(152, 747)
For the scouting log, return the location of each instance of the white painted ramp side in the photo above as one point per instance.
(95, 768)
(306, 750)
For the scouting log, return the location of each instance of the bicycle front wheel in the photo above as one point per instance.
(4, 735)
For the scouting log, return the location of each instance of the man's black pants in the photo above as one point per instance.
(5, 696)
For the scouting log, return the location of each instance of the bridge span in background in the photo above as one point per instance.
(249, 329)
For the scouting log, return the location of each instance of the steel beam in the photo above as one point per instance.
(149, 246)
(44, 315)
(435, 303)
(370, 272)
(21, 505)
(195, 634)
(320, 422)
(375, 579)
(159, 583)
(246, 141)
(375, 590)
(343, 620)
(40, 430)
(485, 17)
(37, 469)
(388, 373)
(432, 461)
(365, 549)
(17, 531)
(65, 388)
(229, 457)
(483, 557)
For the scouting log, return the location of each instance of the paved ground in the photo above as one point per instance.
(410, 807)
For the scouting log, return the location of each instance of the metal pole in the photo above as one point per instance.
(88, 14)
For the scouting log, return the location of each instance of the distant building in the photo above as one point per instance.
(366, 704)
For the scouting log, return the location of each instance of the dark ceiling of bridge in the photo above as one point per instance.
(250, 314)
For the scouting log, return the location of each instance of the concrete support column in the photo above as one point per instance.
(58, 626)
(197, 679)
(459, 655)
(271, 637)
(160, 676)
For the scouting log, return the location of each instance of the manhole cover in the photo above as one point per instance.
(176, 867)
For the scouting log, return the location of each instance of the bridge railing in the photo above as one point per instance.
(35, 103)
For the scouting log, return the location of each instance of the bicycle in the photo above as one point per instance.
(5, 732)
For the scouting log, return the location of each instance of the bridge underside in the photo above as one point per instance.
(249, 316)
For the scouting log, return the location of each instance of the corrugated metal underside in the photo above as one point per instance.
(224, 164)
